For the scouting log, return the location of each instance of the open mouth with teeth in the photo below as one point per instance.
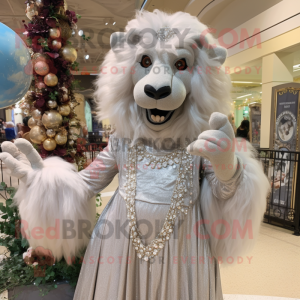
(157, 116)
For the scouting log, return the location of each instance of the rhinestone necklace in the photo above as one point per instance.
(185, 175)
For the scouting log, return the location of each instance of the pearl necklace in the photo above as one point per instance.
(185, 174)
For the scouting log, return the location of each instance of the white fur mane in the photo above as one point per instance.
(114, 92)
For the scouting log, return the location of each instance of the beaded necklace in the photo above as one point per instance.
(179, 157)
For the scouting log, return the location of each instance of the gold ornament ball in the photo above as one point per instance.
(54, 33)
(31, 122)
(52, 119)
(56, 44)
(37, 134)
(61, 139)
(74, 130)
(52, 104)
(71, 142)
(73, 122)
(51, 133)
(36, 114)
(49, 144)
(64, 110)
(51, 79)
(68, 53)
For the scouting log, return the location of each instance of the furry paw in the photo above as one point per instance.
(20, 158)
(217, 146)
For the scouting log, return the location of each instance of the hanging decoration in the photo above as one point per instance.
(50, 100)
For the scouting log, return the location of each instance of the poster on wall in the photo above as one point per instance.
(282, 173)
(286, 119)
(255, 124)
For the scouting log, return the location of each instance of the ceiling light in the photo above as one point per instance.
(80, 32)
(106, 23)
(86, 56)
(296, 68)
(244, 96)
(114, 23)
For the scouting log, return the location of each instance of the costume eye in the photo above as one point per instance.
(146, 61)
(181, 64)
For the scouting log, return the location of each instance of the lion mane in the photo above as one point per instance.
(210, 86)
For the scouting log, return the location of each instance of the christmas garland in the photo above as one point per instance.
(50, 100)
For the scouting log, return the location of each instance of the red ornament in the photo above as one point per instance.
(56, 44)
(41, 85)
(41, 68)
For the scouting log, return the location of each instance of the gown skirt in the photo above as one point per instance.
(183, 270)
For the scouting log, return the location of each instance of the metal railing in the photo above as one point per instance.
(283, 201)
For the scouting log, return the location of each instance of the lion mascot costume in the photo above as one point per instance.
(189, 194)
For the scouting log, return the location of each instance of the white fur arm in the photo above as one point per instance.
(233, 223)
(223, 190)
(52, 199)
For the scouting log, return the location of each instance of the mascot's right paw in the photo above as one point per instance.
(217, 145)
(20, 158)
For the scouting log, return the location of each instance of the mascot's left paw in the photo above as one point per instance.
(217, 145)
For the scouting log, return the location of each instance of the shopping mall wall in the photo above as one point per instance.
(263, 35)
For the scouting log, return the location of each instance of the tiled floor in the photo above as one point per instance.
(251, 297)
(273, 271)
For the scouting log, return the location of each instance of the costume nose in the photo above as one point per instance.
(162, 92)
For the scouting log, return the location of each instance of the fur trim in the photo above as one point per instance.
(55, 196)
(244, 209)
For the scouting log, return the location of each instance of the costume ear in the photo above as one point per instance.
(215, 52)
(133, 37)
(218, 53)
(118, 40)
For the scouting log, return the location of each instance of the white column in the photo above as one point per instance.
(276, 69)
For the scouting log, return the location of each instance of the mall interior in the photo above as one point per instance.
(262, 38)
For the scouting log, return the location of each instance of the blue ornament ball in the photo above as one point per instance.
(15, 67)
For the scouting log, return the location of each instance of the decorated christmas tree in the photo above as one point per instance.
(50, 100)
(54, 130)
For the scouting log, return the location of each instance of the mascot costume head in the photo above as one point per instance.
(162, 78)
